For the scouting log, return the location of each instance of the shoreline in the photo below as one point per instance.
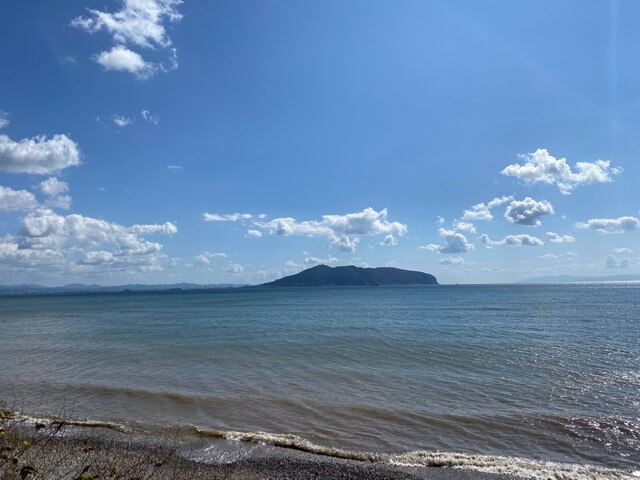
(103, 452)
(96, 447)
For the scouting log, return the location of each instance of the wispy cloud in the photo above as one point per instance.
(147, 116)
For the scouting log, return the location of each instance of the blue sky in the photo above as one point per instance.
(163, 141)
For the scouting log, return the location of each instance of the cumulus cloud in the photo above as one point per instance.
(512, 240)
(318, 261)
(147, 116)
(482, 211)
(54, 189)
(38, 155)
(527, 211)
(15, 200)
(205, 257)
(166, 228)
(254, 233)
(234, 268)
(610, 225)
(140, 23)
(75, 243)
(464, 226)
(120, 58)
(451, 261)
(541, 167)
(389, 241)
(454, 242)
(229, 217)
(343, 231)
(616, 262)
(53, 186)
(557, 238)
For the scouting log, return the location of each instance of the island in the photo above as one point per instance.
(325, 276)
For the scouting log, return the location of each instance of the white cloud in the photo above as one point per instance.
(391, 263)
(344, 231)
(451, 261)
(4, 119)
(440, 220)
(205, 257)
(610, 225)
(166, 228)
(229, 217)
(454, 242)
(60, 201)
(121, 120)
(433, 247)
(234, 268)
(464, 226)
(552, 256)
(120, 58)
(527, 211)
(254, 233)
(53, 186)
(54, 189)
(318, 261)
(557, 238)
(140, 23)
(174, 168)
(482, 211)
(541, 167)
(622, 251)
(75, 243)
(149, 117)
(616, 262)
(512, 240)
(389, 241)
(15, 200)
(38, 155)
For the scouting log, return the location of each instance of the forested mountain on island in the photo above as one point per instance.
(322, 275)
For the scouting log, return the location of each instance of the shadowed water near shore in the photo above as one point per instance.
(544, 373)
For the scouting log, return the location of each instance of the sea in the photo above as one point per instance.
(539, 381)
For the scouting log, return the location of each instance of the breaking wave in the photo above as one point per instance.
(520, 467)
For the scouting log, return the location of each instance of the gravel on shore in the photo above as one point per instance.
(91, 454)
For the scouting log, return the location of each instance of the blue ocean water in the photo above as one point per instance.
(545, 372)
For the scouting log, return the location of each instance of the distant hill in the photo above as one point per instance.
(81, 288)
(582, 279)
(323, 275)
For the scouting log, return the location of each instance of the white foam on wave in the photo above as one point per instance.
(57, 422)
(520, 467)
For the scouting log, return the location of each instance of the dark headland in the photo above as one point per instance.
(324, 276)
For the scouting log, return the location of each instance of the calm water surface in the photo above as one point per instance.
(549, 372)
